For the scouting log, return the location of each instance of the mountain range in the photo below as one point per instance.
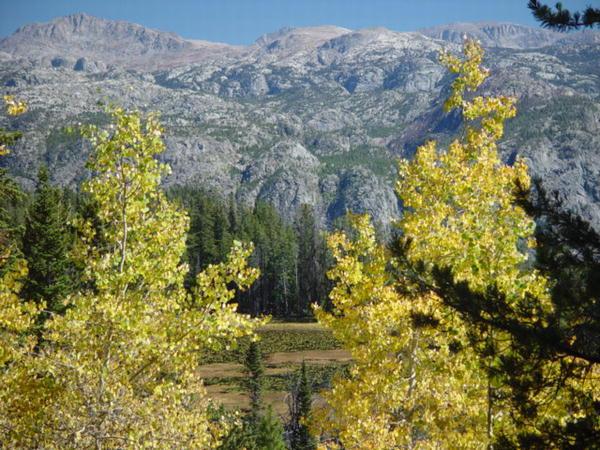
(314, 115)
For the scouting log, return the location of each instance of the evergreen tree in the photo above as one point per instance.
(300, 413)
(16, 316)
(282, 268)
(255, 369)
(233, 216)
(46, 246)
(269, 433)
(10, 193)
(223, 237)
(210, 236)
(285, 267)
(312, 281)
(275, 255)
(240, 436)
(553, 360)
(258, 431)
(201, 244)
(216, 222)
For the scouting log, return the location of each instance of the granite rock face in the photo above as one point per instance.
(313, 115)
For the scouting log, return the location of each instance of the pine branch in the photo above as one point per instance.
(562, 19)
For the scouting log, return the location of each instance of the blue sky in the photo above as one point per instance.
(242, 21)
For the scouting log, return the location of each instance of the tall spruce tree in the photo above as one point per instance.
(275, 255)
(223, 236)
(255, 369)
(312, 279)
(46, 245)
(216, 222)
(240, 436)
(233, 216)
(10, 193)
(300, 436)
(201, 243)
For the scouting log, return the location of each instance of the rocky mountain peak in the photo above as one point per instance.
(83, 35)
(492, 34)
(299, 39)
(304, 115)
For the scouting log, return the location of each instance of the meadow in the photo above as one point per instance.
(284, 345)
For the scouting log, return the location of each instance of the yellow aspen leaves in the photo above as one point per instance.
(460, 205)
(416, 381)
(119, 368)
(14, 107)
(16, 317)
(411, 385)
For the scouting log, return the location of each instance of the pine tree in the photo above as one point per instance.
(240, 436)
(255, 369)
(258, 431)
(16, 317)
(10, 193)
(269, 433)
(283, 269)
(300, 436)
(554, 355)
(202, 246)
(46, 246)
(233, 216)
(223, 237)
(312, 281)
(275, 255)
(215, 223)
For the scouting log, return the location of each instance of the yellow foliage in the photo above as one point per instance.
(414, 383)
(460, 205)
(119, 368)
(16, 317)
(14, 107)
(461, 211)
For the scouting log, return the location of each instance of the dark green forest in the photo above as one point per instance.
(292, 257)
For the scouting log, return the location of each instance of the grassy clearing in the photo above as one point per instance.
(285, 346)
(280, 337)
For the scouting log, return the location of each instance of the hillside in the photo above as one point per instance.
(313, 115)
